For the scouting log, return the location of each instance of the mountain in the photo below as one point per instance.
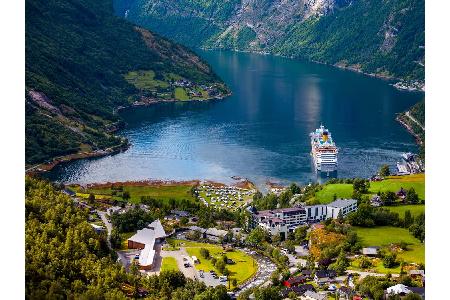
(83, 62)
(382, 37)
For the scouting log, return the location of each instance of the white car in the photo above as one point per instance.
(223, 278)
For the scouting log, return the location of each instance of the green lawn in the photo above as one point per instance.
(180, 94)
(400, 209)
(244, 268)
(341, 190)
(162, 192)
(169, 263)
(393, 183)
(145, 80)
(386, 235)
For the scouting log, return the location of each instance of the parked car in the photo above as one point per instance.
(136, 256)
(223, 278)
(202, 275)
(187, 265)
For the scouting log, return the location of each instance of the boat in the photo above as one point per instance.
(324, 150)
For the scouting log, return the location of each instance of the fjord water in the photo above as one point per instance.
(262, 131)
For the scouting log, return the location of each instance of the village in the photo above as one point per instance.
(235, 256)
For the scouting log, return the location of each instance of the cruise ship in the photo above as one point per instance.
(323, 150)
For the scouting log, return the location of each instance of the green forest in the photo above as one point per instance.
(66, 259)
(386, 38)
(77, 54)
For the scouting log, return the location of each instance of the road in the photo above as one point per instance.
(363, 274)
(414, 120)
(108, 225)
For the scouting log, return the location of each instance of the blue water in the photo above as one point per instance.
(262, 131)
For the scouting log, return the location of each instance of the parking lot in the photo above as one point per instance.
(209, 280)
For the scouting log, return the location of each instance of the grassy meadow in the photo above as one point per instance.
(392, 183)
(386, 235)
(169, 264)
(162, 192)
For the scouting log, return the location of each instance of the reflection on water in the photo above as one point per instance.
(262, 131)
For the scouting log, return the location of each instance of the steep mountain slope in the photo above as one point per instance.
(384, 37)
(79, 61)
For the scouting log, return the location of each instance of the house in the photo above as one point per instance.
(310, 295)
(398, 289)
(416, 274)
(376, 201)
(298, 290)
(98, 228)
(341, 206)
(324, 276)
(180, 213)
(401, 193)
(216, 235)
(418, 290)
(201, 230)
(146, 240)
(113, 209)
(370, 251)
(345, 292)
(307, 273)
(294, 281)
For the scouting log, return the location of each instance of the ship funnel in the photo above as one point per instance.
(325, 136)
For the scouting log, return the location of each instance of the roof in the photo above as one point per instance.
(370, 250)
(196, 228)
(315, 295)
(157, 227)
(144, 236)
(148, 235)
(296, 279)
(398, 289)
(417, 290)
(216, 232)
(341, 203)
(416, 272)
(325, 273)
(180, 213)
(147, 255)
(97, 227)
(345, 290)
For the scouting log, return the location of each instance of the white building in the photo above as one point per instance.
(146, 239)
(284, 220)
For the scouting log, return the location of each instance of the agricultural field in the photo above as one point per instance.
(180, 94)
(176, 191)
(227, 197)
(169, 264)
(400, 209)
(145, 80)
(392, 183)
(244, 268)
(386, 235)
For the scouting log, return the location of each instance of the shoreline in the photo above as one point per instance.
(48, 166)
(244, 183)
(146, 102)
(400, 84)
(409, 128)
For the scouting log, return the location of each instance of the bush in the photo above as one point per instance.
(204, 253)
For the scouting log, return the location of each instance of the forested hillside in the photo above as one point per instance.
(66, 259)
(77, 57)
(383, 37)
